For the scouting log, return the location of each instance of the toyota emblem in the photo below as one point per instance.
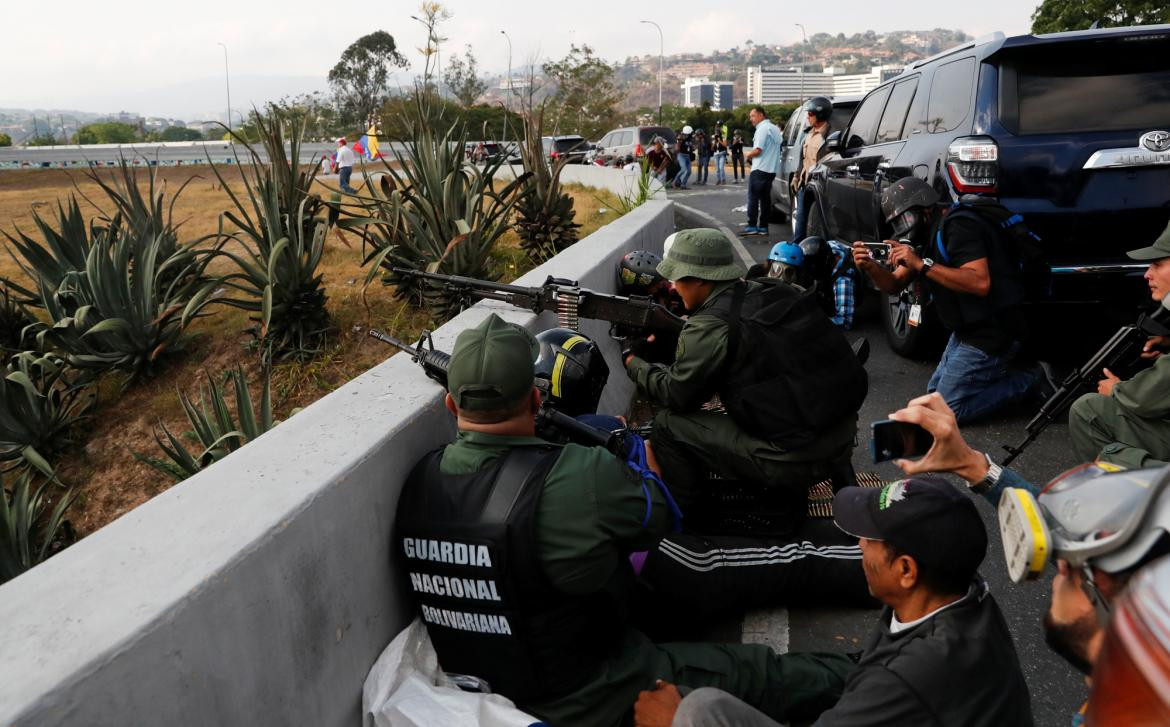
(1156, 140)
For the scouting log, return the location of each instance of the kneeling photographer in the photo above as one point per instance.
(977, 288)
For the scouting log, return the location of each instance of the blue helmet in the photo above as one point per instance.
(786, 252)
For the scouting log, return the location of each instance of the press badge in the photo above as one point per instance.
(915, 314)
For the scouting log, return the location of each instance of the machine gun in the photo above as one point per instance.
(568, 300)
(1119, 353)
(434, 364)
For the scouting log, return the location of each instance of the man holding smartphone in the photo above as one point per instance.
(977, 289)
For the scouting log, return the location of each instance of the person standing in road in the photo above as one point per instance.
(703, 153)
(1128, 422)
(765, 158)
(345, 161)
(683, 154)
(737, 157)
(719, 147)
(818, 110)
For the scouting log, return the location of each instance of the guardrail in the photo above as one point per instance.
(261, 590)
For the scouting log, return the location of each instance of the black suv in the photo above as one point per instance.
(1071, 130)
(572, 147)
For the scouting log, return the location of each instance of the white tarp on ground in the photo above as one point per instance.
(406, 689)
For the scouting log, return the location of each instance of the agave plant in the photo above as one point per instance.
(282, 227)
(41, 401)
(212, 423)
(544, 217)
(14, 317)
(436, 212)
(143, 214)
(128, 307)
(65, 250)
(119, 291)
(30, 530)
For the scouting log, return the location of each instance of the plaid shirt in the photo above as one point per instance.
(843, 301)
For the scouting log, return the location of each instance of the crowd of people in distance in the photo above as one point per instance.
(572, 578)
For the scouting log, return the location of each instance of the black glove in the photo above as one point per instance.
(638, 346)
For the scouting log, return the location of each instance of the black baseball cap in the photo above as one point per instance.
(924, 517)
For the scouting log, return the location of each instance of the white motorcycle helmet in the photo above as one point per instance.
(688, 130)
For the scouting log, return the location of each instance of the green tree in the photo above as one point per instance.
(462, 78)
(41, 140)
(179, 133)
(586, 97)
(361, 79)
(1055, 16)
(106, 132)
(5, 140)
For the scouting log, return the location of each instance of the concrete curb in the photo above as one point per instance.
(714, 222)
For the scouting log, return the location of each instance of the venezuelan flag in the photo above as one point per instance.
(368, 144)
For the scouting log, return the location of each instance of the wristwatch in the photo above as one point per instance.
(994, 472)
(927, 264)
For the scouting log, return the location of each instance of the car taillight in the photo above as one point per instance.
(638, 150)
(555, 154)
(973, 165)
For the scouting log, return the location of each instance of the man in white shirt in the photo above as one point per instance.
(345, 162)
(765, 159)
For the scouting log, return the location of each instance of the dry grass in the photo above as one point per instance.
(111, 481)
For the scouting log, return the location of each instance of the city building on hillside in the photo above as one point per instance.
(518, 85)
(781, 85)
(716, 93)
(696, 69)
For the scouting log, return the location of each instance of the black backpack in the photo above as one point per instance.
(1022, 246)
(790, 373)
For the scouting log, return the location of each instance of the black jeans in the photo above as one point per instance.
(759, 198)
(737, 167)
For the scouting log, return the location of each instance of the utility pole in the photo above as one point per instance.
(227, 85)
(660, 56)
(805, 36)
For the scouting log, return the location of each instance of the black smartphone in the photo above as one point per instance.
(879, 250)
(897, 440)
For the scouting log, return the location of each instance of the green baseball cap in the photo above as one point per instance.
(701, 253)
(491, 366)
(1157, 251)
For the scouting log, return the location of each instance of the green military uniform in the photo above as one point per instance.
(1131, 426)
(689, 443)
(589, 518)
(593, 512)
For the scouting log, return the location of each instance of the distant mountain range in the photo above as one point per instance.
(199, 100)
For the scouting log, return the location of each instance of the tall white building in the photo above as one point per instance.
(780, 85)
(718, 94)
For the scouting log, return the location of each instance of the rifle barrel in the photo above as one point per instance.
(458, 281)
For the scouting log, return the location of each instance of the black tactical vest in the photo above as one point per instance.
(790, 373)
(468, 545)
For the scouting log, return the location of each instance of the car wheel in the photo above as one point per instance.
(921, 341)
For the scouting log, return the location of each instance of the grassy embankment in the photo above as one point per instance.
(102, 465)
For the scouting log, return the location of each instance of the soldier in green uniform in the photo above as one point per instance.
(786, 376)
(517, 552)
(1128, 422)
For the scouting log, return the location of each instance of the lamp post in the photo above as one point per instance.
(656, 25)
(227, 85)
(508, 102)
(805, 36)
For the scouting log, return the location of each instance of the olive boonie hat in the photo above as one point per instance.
(701, 253)
(1157, 251)
(491, 366)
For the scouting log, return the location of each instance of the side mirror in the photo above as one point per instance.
(832, 143)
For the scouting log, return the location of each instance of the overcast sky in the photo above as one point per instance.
(62, 56)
